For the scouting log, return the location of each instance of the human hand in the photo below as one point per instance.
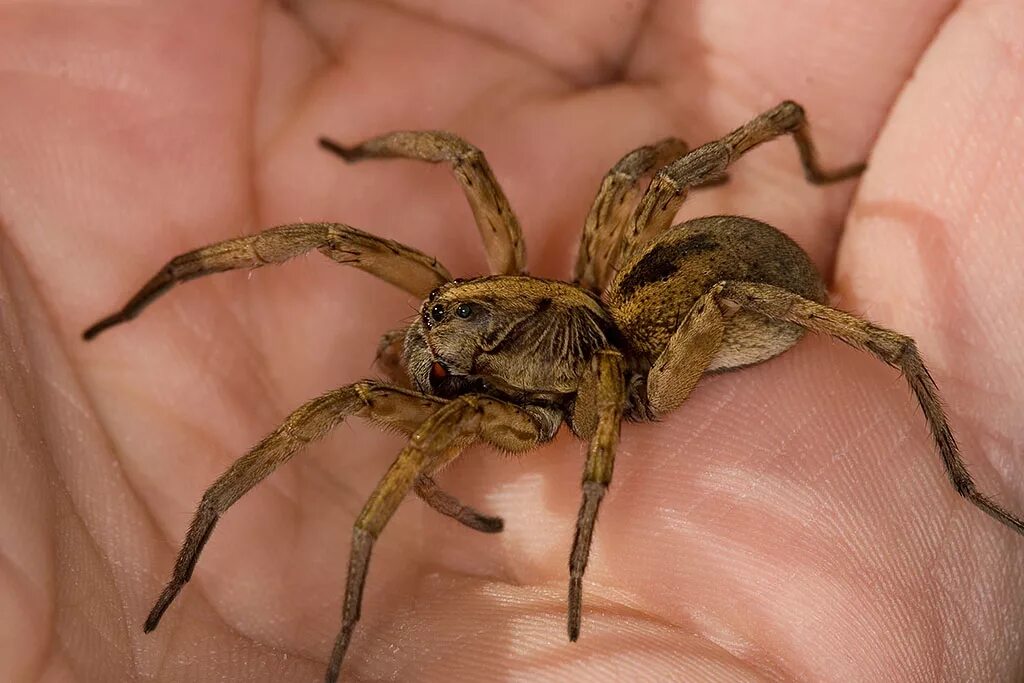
(791, 521)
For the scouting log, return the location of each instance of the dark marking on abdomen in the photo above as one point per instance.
(662, 262)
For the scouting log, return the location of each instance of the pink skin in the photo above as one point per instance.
(792, 521)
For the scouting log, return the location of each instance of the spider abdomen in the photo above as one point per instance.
(654, 291)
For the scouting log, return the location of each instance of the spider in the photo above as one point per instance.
(508, 358)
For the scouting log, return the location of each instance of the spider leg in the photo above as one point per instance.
(690, 351)
(894, 349)
(497, 223)
(392, 262)
(668, 190)
(435, 443)
(448, 505)
(384, 404)
(389, 360)
(389, 357)
(612, 208)
(603, 395)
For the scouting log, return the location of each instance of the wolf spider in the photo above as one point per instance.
(507, 358)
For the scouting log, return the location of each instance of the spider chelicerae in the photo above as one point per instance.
(507, 359)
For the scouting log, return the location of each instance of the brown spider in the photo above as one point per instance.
(508, 358)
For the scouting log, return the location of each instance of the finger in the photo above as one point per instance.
(108, 164)
(125, 140)
(934, 248)
(936, 240)
(844, 62)
(30, 578)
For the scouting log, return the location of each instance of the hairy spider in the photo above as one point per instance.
(507, 358)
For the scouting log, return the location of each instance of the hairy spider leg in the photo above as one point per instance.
(497, 223)
(617, 197)
(603, 397)
(613, 206)
(892, 348)
(402, 266)
(380, 403)
(689, 353)
(667, 191)
(501, 424)
(436, 442)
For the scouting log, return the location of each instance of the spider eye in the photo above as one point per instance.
(464, 311)
(437, 312)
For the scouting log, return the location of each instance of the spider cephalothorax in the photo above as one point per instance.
(507, 359)
(499, 327)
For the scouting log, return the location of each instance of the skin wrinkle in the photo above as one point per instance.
(754, 484)
(20, 576)
(323, 44)
(311, 86)
(694, 434)
(549, 603)
(620, 68)
(58, 478)
(776, 448)
(251, 152)
(485, 40)
(902, 580)
(606, 70)
(258, 357)
(100, 551)
(613, 73)
(98, 548)
(613, 70)
(9, 249)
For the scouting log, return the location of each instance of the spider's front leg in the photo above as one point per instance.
(387, 405)
(435, 443)
(670, 186)
(598, 414)
(389, 360)
(497, 223)
(402, 266)
(393, 406)
(389, 357)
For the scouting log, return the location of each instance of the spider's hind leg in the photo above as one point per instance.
(604, 229)
(698, 338)
(612, 207)
(669, 188)
(896, 350)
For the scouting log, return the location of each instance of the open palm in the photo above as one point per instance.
(791, 521)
